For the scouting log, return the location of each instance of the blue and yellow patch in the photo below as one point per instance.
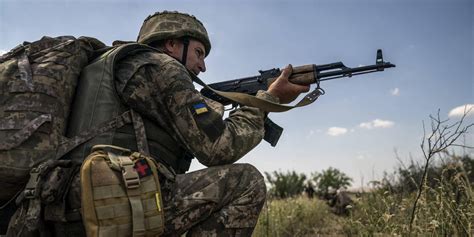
(200, 108)
(207, 120)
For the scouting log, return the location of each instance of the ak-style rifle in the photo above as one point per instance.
(303, 75)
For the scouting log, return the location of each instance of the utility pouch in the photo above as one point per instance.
(121, 194)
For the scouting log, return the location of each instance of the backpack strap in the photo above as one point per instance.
(140, 134)
(117, 122)
(25, 133)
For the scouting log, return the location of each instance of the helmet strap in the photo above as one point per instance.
(185, 51)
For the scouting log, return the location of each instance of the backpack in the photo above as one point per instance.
(35, 127)
(37, 86)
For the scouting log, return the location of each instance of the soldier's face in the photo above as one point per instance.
(195, 56)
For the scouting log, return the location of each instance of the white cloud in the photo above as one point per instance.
(336, 131)
(2, 52)
(377, 123)
(395, 91)
(460, 110)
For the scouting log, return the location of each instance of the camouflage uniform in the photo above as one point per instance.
(225, 198)
(222, 200)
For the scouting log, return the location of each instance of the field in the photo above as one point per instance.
(444, 206)
(301, 216)
(431, 198)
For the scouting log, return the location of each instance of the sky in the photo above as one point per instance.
(362, 122)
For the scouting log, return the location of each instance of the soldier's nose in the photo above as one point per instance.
(202, 67)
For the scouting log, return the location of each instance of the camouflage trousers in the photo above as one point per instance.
(217, 201)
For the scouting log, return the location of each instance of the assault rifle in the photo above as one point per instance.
(303, 75)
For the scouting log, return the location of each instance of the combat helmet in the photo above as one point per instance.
(173, 24)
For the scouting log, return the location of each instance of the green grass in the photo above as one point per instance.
(445, 207)
(298, 216)
(445, 210)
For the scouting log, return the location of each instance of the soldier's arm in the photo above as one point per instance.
(166, 94)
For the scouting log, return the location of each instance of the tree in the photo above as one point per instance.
(331, 178)
(442, 136)
(285, 185)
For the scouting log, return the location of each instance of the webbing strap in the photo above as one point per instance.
(115, 230)
(84, 136)
(114, 191)
(154, 222)
(265, 105)
(109, 191)
(123, 209)
(140, 134)
(23, 134)
(24, 68)
(132, 184)
(113, 211)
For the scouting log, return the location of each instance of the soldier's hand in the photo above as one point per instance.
(284, 89)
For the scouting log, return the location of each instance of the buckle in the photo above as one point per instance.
(130, 175)
(30, 189)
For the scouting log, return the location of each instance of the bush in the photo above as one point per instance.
(285, 185)
(299, 216)
(445, 208)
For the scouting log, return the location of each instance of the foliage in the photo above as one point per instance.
(445, 208)
(404, 179)
(299, 216)
(331, 178)
(285, 185)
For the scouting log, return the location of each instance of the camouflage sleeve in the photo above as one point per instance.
(166, 94)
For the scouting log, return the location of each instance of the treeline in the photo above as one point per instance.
(291, 183)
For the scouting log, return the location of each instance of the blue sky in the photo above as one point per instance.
(360, 121)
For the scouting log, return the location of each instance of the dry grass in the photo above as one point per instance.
(445, 209)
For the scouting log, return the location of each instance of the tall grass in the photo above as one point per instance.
(445, 208)
(298, 216)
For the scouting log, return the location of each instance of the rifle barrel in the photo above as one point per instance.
(348, 72)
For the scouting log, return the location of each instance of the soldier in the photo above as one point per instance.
(224, 199)
(309, 190)
(339, 201)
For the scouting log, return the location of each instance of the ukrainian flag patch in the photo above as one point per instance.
(200, 108)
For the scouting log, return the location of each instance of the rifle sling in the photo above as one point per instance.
(265, 105)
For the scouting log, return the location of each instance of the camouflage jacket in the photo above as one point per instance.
(161, 89)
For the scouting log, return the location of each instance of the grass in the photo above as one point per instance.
(299, 216)
(445, 208)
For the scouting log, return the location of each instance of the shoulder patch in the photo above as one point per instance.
(199, 108)
(208, 121)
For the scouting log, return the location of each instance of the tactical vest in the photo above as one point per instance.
(97, 101)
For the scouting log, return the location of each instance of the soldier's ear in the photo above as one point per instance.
(172, 46)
